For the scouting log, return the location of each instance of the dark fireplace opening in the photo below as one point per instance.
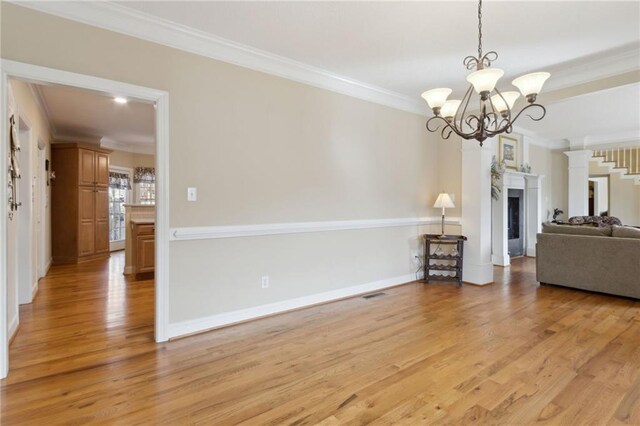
(513, 215)
(515, 221)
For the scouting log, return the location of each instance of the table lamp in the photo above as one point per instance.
(444, 201)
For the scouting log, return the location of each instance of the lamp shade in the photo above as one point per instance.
(436, 97)
(450, 108)
(498, 102)
(531, 84)
(444, 201)
(485, 80)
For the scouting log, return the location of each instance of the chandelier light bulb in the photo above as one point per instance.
(436, 98)
(484, 81)
(531, 84)
(450, 108)
(498, 101)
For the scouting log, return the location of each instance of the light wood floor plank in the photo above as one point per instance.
(509, 353)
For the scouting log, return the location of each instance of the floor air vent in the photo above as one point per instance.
(371, 296)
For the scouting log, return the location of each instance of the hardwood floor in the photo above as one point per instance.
(509, 353)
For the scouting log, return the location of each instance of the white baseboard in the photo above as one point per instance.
(34, 290)
(500, 260)
(531, 251)
(13, 326)
(184, 328)
(47, 267)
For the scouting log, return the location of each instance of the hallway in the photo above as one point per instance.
(83, 317)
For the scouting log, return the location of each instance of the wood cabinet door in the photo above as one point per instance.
(145, 253)
(102, 220)
(87, 219)
(87, 167)
(102, 169)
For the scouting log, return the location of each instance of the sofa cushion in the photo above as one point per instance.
(626, 232)
(552, 228)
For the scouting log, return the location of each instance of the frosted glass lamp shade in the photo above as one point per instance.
(450, 108)
(531, 84)
(444, 201)
(498, 101)
(436, 97)
(484, 81)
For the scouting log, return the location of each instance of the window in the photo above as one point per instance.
(119, 194)
(146, 193)
(145, 181)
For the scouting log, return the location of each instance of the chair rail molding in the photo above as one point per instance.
(235, 231)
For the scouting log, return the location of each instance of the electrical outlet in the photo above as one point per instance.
(415, 257)
(265, 281)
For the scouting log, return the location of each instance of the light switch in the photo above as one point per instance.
(192, 194)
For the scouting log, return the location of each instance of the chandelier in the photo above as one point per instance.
(495, 113)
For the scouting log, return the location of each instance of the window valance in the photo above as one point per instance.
(144, 175)
(119, 180)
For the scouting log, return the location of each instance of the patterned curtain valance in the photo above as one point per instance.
(119, 180)
(144, 174)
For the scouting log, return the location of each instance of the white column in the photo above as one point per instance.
(500, 251)
(578, 182)
(476, 211)
(534, 211)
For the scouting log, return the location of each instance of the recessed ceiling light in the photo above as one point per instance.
(120, 100)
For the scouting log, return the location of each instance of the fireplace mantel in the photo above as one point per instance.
(531, 184)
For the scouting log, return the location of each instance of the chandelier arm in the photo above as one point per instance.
(543, 113)
(449, 126)
(489, 57)
(465, 100)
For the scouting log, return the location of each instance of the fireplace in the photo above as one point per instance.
(516, 217)
(515, 222)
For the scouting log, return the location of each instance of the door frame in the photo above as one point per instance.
(12, 69)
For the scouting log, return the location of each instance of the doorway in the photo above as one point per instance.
(32, 73)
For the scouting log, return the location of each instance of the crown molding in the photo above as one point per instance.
(134, 23)
(124, 20)
(63, 137)
(598, 66)
(132, 148)
(619, 139)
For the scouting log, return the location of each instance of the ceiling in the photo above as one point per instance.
(409, 47)
(86, 115)
(607, 116)
(388, 52)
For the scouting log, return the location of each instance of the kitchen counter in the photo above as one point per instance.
(136, 216)
(142, 220)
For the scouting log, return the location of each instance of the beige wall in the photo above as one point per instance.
(24, 105)
(624, 197)
(131, 160)
(260, 149)
(553, 164)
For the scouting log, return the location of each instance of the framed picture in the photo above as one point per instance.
(508, 147)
